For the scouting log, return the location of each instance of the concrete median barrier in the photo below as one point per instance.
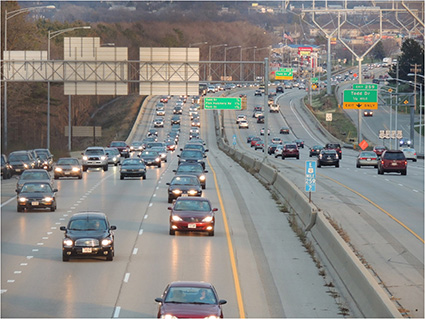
(267, 173)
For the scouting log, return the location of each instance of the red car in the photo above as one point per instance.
(122, 147)
(254, 140)
(392, 161)
(290, 150)
(190, 299)
(192, 214)
(379, 149)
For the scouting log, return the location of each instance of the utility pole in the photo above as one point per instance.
(415, 70)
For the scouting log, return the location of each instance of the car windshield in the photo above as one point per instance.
(191, 154)
(111, 151)
(42, 152)
(68, 161)
(194, 147)
(27, 175)
(193, 295)
(192, 205)
(149, 145)
(367, 154)
(94, 152)
(87, 224)
(149, 153)
(131, 162)
(18, 157)
(184, 180)
(394, 156)
(189, 168)
(36, 188)
(118, 144)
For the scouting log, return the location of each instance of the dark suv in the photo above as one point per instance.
(392, 161)
(336, 147)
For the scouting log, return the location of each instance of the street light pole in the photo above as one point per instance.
(51, 35)
(7, 16)
(209, 58)
(225, 59)
(241, 67)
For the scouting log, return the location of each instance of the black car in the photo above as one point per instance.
(20, 161)
(151, 158)
(315, 150)
(300, 143)
(132, 167)
(257, 92)
(35, 195)
(328, 158)
(46, 158)
(88, 234)
(152, 132)
(195, 146)
(191, 156)
(175, 119)
(260, 119)
(195, 169)
(183, 185)
(68, 167)
(284, 130)
(6, 169)
(279, 89)
(178, 110)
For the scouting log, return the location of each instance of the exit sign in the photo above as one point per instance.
(367, 86)
(284, 74)
(360, 99)
(222, 103)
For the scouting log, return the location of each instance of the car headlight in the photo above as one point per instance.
(163, 155)
(26, 165)
(114, 158)
(207, 219)
(75, 169)
(167, 316)
(123, 170)
(202, 178)
(177, 191)
(176, 218)
(192, 192)
(103, 158)
(22, 199)
(58, 169)
(85, 158)
(68, 242)
(48, 199)
(157, 159)
(106, 241)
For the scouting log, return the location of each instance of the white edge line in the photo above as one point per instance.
(117, 312)
(8, 201)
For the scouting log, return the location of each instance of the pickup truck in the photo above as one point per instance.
(274, 108)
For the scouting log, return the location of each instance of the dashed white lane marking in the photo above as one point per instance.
(141, 232)
(117, 312)
(23, 264)
(135, 250)
(150, 205)
(157, 187)
(54, 227)
(3, 291)
(30, 257)
(400, 185)
(8, 201)
(11, 280)
(154, 195)
(17, 272)
(126, 277)
(49, 233)
(416, 191)
(40, 244)
(44, 238)
(146, 216)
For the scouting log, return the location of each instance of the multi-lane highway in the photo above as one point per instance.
(380, 215)
(254, 260)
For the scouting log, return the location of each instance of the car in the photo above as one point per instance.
(367, 113)
(301, 86)
(288, 84)
(183, 185)
(259, 145)
(192, 156)
(193, 136)
(114, 155)
(194, 130)
(175, 119)
(257, 113)
(379, 149)
(278, 150)
(88, 234)
(160, 112)
(240, 117)
(35, 195)
(254, 140)
(405, 143)
(177, 110)
(195, 122)
(136, 146)
(392, 161)
(190, 299)
(258, 108)
(192, 214)
(260, 119)
(279, 89)
(164, 99)
(334, 146)
(195, 146)
(328, 157)
(263, 130)
(315, 150)
(193, 169)
(151, 158)
(299, 142)
(122, 147)
(258, 93)
(133, 167)
(274, 108)
(148, 140)
(37, 159)
(249, 138)
(6, 168)
(276, 140)
(33, 175)
(243, 124)
(170, 145)
(21, 161)
(410, 153)
(46, 158)
(160, 105)
(367, 158)
(152, 132)
(94, 157)
(290, 150)
(158, 122)
(68, 167)
(151, 145)
(271, 148)
(284, 130)
(162, 151)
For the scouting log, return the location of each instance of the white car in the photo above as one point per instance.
(240, 117)
(410, 153)
(158, 122)
(243, 124)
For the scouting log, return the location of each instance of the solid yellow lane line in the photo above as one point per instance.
(230, 247)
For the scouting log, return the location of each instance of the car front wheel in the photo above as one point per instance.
(105, 168)
(65, 257)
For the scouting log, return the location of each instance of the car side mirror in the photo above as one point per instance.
(174, 171)
(215, 209)
(181, 149)
(160, 300)
(113, 227)
(205, 171)
(62, 228)
(17, 190)
(205, 156)
(178, 155)
(167, 183)
(82, 153)
(170, 208)
(206, 150)
(55, 190)
(222, 302)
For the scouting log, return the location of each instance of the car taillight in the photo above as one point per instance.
(405, 162)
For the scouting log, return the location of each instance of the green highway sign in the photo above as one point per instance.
(222, 103)
(284, 74)
(360, 99)
(314, 80)
(367, 86)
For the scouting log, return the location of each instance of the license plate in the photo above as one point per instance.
(87, 250)
(368, 159)
(394, 164)
(184, 195)
(35, 203)
(67, 173)
(191, 226)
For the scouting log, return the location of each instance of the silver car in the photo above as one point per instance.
(410, 153)
(95, 157)
(162, 151)
(367, 158)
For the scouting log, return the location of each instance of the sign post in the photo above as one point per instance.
(310, 178)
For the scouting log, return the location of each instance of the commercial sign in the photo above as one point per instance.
(284, 74)
(360, 99)
(305, 50)
(222, 103)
